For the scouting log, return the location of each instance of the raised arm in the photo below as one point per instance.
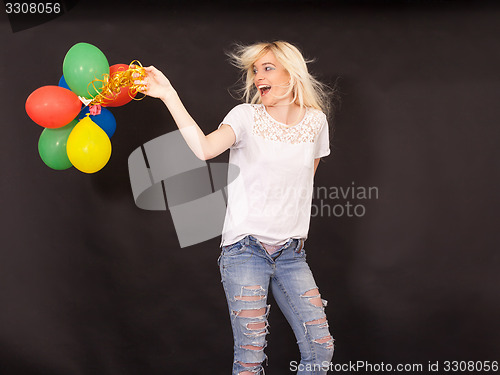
(204, 146)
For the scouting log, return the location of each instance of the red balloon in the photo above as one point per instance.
(53, 106)
(125, 95)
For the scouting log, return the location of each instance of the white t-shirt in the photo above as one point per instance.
(271, 196)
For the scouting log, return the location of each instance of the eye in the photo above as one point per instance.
(254, 71)
(269, 68)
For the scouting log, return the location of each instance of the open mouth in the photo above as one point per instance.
(264, 89)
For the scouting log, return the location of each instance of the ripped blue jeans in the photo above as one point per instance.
(248, 271)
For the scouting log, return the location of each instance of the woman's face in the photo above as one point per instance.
(271, 80)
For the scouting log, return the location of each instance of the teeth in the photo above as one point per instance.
(264, 89)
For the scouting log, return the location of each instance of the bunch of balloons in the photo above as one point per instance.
(76, 136)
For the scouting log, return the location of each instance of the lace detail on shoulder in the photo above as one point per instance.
(268, 128)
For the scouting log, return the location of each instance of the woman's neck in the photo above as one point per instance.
(289, 114)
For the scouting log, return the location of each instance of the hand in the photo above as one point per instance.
(155, 83)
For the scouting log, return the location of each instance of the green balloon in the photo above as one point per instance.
(82, 64)
(52, 146)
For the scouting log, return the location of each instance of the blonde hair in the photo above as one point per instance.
(307, 91)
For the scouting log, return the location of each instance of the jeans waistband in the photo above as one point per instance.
(291, 242)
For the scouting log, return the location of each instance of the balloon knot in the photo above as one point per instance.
(95, 109)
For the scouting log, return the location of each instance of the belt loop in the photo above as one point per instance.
(300, 244)
(246, 240)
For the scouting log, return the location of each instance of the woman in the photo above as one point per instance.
(276, 140)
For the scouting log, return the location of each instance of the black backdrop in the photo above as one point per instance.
(91, 284)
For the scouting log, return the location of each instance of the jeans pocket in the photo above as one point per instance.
(234, 254)
(233, 249)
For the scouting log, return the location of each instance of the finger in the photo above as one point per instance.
(136, 74)
(142, 88)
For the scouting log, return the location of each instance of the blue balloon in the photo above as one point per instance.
(62, 83)
(105, 120)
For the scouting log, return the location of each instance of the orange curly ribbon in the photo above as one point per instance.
(111, 85)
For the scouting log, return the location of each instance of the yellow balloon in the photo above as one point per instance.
(88, 146)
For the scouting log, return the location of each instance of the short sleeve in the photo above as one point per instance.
(240, 119)
(322, 142)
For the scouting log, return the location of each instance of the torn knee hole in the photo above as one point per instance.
(250, 298)
(314, 297)
(311, 293)
(251, 313)
(324, 339)
(316, 301)
(245, 364)
(256, 326)
(317, 321)
(252, 347)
